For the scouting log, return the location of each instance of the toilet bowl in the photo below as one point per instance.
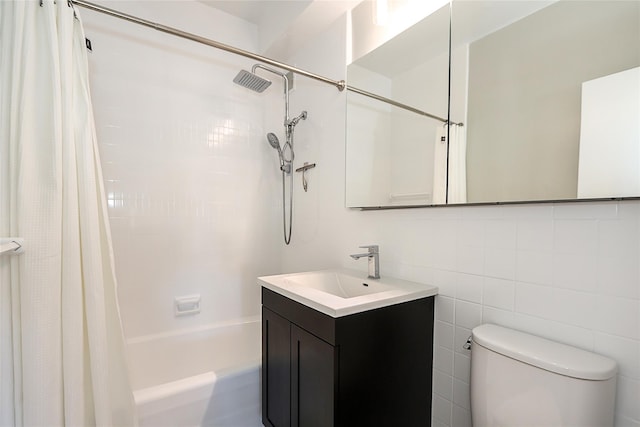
(519, 379)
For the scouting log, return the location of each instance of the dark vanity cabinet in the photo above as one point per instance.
(372, 368)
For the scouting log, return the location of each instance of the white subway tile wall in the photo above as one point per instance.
(192, 184)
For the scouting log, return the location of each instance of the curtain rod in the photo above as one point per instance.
(399, 105)
(340, 84)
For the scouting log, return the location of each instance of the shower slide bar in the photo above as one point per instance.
(11, 245)
(339, 84)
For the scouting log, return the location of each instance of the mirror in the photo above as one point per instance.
(550, 96)
(548, 91)
(391, 144)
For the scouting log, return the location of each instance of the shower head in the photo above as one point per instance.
(251, 81)
(274, 141)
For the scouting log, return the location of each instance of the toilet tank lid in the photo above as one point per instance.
(545, 354)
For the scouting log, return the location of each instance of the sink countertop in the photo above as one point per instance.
(393, 291)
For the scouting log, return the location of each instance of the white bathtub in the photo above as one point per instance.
(204, 377)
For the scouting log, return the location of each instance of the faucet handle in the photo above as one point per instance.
(373, 249)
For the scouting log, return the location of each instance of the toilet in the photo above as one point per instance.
(519, 379)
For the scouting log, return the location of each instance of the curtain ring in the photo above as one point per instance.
(72, 6)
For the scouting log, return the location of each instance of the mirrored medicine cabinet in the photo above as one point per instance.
(542, 100)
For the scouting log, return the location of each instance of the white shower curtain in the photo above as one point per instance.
(457, 164)
(456, 185)
(61, 344)
(440, 167)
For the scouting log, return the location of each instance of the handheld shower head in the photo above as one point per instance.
(285, 165)
(274, 142)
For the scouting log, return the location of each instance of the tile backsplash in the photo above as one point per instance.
(568, 272)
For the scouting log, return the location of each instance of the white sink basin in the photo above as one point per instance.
(338, 284)
(342, 292)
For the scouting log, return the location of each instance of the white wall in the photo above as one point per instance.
(413, 137)
(609, 161)
(569, 272)
(391, 150)
(524, 96)
(192, 184)
(370, 130)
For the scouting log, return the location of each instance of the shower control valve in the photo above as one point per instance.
(304, 170)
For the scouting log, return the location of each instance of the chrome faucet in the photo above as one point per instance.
(373, 257)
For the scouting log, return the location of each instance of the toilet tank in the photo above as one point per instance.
(519, 379)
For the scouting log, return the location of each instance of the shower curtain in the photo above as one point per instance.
(457, 164)
(440, 167)
(61, 344)
(455, 152)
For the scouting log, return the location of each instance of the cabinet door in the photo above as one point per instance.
(313, 380)
(276, 373)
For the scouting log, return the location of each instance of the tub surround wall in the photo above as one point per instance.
(192, 206)
(192, 188)
(568, 272)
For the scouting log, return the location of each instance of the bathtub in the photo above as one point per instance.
(209, 376)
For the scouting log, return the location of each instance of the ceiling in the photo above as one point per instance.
(251, 10)
(284, 26)
(472, 20)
